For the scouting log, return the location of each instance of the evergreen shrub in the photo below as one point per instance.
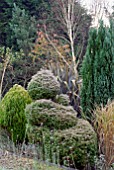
(12, 115)
(77, 145)
(50, 115)
(62, 99)
(98, 69)
(43, 85)
(74, 147)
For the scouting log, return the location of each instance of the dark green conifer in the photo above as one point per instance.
(98, 69)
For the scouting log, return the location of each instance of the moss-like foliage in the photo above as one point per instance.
(43, 85)
(62, 99)
(12, 112)
(50, 115)
(74, 147)
(77, 145)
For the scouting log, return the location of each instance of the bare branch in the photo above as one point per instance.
(63, 58)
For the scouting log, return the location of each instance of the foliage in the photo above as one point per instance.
(5, 141)
(12, 115)
(5, 16)
(23, 30)
(55, 129)
(72, 147)
(6, 56)
(87, 98)
(43, 85)
(32, 7)
(104, 124)
(44, 49)
(80, 149)
(50, 115)
(62, 99)
(19, 71)
(98, 69)
(54, 34)
(60, 24)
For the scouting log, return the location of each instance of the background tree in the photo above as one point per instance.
(98, 69)
(5, 59)
(23, 30)
(46, 51)
(32, 7)
(87, 93)
(70, 26)
(5, 16)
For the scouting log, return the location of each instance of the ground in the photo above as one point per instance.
(10, 161)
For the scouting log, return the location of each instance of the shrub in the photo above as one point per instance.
(62, 99)
(73, 147)
(43, 85)
(50, 115)
(57, 131)
(76, 145)
(104, 124)
(12, 116)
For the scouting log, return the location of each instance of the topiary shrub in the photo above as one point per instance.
(50, 115)
(12, 115)
(76, 146)
(43, 85)
(62, 99)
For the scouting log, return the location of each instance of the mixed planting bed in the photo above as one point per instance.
(42, 117)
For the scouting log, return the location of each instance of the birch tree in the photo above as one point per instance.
(71, 18)
(71, 25)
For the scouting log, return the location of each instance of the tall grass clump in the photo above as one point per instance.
(12, 112)
(104, 124)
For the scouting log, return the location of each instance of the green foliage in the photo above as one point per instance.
(62, 99)
(5, 58)
(5, 16)
(32, 7)
(61, 138)
(77, 145)
(12, 114)
(98, 69)
(43, 85)
(23, 29)
(50, 115)
(87, 98)
(72, 147)
(20, 71)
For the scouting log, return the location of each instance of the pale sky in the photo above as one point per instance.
(98, 15)
(88, 3)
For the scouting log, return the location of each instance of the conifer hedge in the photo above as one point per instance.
(98, 69)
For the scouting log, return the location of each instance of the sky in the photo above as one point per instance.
(88, 3)
(102, 15)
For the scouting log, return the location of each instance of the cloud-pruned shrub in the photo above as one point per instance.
(43, 85)
(50, 115)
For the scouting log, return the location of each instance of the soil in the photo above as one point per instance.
(11, 161)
